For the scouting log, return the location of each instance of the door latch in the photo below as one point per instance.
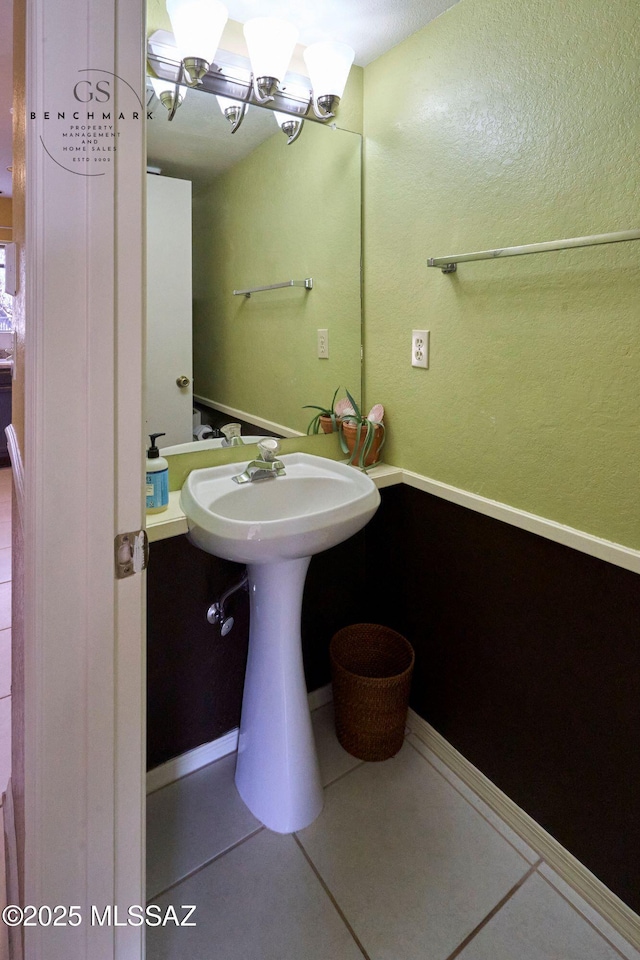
(131, 553)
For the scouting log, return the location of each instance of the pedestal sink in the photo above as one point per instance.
(275, 525)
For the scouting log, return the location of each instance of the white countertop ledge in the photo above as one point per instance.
(172, 522)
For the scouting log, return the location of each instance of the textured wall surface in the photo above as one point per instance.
(283, 213)
(507, 122)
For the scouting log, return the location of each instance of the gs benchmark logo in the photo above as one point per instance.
(84, 140)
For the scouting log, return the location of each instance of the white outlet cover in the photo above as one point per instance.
(323, 344)
(420, 348)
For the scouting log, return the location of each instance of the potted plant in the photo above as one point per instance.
(327, 420)
(362, 437)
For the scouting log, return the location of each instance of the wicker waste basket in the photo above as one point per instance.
(371, 669)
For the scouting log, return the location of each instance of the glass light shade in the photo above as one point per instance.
(165, 86)
(270, 43)
(225, 102)
(328, 64)
(197, 26)
(282, 118)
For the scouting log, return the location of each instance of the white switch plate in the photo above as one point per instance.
(420, 348)
(323, 344)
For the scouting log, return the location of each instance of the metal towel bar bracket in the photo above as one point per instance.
(307, 284)
(448, 264)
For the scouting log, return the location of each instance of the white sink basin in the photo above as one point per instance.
(317, 504)
(274, 526)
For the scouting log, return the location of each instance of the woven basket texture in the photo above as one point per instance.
(371, 669)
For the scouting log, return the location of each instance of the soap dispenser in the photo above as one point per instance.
(157, 478)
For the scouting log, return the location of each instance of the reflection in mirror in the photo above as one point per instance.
(264, 212)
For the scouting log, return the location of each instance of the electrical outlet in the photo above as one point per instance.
(323, 344)
(420, 348)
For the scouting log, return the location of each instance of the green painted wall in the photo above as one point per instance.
(284, 212)
(506, 122)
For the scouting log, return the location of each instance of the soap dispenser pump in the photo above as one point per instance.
(157, 478)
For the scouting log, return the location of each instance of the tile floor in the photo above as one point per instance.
(5, 627)
(403, 863)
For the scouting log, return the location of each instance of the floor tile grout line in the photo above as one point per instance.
(492, 913)
(472, 805)
(331, 897)
(343, 775)
(577, 909)
(625, 956)
(207, 863)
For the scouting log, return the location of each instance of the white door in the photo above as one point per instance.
(169, 398)
(81, 331)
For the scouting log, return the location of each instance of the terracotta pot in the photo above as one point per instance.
(350, 431)
(326, 424)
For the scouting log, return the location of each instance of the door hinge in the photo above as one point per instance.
(131, 551)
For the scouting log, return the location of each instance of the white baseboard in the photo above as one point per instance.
(615, 553)
(201, 756)
(621, 917)
(191, 761)
(269, 425)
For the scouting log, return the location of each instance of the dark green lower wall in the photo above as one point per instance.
(527, 661)
(195, 676)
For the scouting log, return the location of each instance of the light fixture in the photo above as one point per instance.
(197, 26)
(234, 111)
(290, 126)
(328, 64)
(270, 43)
(169, 94)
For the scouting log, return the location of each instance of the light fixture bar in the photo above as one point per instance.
(218, 83)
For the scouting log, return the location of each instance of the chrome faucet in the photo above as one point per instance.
(231, 434)
(267, 466)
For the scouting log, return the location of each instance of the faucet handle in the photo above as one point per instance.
(232, 435)
(268, 449)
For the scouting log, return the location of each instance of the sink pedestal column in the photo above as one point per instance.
(277, 772)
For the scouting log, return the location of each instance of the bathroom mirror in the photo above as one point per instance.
(265, 212)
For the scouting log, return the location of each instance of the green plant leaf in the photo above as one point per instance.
(355, 406)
